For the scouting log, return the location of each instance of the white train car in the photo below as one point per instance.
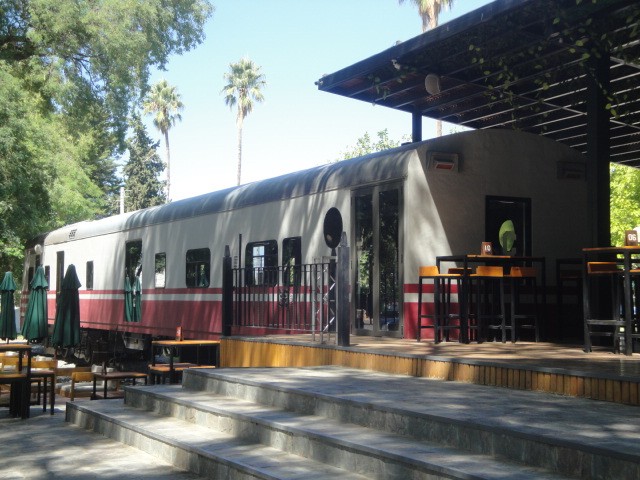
(400, 209)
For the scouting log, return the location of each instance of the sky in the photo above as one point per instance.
(297, 126)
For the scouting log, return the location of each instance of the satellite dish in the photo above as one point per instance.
(332, 227)
(432, 84)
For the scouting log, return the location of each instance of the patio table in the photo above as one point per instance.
(473, 259)
(176, 346)
(629, 255)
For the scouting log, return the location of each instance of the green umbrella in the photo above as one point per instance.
(7, 312)
(66, 329)
(35, 321)
(128, 301)
(137, 300)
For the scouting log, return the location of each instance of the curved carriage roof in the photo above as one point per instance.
(358, 171)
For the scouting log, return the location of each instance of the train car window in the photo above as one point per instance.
(291, 260)
(133, 260)
(59, 270)
(198, 265)
(261, 263)
(161, 270)
(30, 277)
(47, 271)
(89, 274)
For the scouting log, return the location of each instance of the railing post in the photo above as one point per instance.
(227, 293)
(343, 327)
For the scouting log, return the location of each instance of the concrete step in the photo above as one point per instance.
(571, 436)
(367, 451)
(201, 450)
(326, 422)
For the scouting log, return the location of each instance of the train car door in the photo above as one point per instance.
(376, 213)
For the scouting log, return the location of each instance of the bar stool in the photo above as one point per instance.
(457, 274)
(441, 316)
(569, 314)
(524, 277)
(489, 288)
(604, 327)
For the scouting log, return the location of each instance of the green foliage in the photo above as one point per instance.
(164, 102)
(245, 82)
(142, 185)
(70, 73)
(364, 145)
(625, 201)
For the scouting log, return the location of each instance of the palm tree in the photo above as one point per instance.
(165, 103)
(244, 82)
(430, 10)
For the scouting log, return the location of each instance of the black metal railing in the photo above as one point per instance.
(292, 299)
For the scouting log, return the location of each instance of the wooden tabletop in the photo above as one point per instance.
(183, 343)
(118, 375)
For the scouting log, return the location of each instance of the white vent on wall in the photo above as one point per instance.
(443, 162)
(571, 170)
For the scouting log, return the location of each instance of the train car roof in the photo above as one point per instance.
(387, 165)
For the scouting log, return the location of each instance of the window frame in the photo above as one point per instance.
(164, 271)
(266, 272)
(198, 268)
(89, 275)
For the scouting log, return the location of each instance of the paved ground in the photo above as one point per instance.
(46, 447)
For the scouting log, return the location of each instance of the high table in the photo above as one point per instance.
(20, 380)
(629, 255)
(474, 259)
(176, 346)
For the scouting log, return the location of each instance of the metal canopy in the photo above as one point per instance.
(520, 64)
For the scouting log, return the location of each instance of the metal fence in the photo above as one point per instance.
(297, 299)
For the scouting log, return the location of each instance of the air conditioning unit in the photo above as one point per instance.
(443, 162)
(571, 170)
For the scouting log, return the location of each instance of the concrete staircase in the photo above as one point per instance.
(332, 422)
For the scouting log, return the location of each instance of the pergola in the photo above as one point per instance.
(565, 69)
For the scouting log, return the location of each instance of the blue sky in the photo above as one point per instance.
(297, 126)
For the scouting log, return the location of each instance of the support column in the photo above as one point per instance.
(227, 293)
(343, 310)
(598, 151)
(416, 127)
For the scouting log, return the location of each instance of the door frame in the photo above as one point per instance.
(523, 230)
(374, 191)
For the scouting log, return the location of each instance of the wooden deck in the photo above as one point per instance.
(548, 367)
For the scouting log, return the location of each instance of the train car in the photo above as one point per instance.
(400, 209)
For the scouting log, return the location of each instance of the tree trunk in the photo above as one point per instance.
(239, 150)
(166, 142)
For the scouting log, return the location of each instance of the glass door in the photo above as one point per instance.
(377, 283)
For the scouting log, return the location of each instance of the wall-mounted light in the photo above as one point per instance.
(443, 162)
(432, 84)
(571, 170)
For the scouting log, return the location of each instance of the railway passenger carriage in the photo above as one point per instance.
(400, 209)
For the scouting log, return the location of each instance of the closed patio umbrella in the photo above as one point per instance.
(7, 312)
(132, 300)
(35, 326)
(66, 329)
(137, 300)
(128, 300)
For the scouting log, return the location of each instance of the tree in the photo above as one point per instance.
(364, 145)
(244, 84)
(429, 11)
(70, 74)
(163, 100)
(625, 192)
(142, 186)
(105, 47)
